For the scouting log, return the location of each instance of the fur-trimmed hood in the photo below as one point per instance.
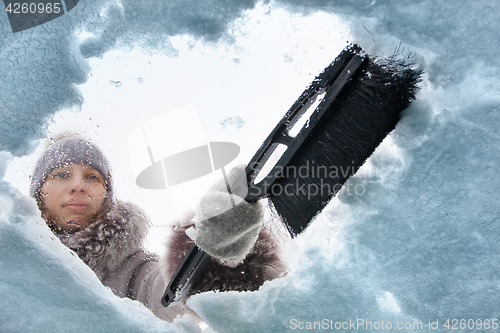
(105, 244)
(113, 248)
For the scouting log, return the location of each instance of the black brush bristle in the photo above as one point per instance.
(366, 110)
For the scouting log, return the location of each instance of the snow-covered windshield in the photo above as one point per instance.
(411, 240)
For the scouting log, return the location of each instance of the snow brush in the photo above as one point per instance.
(323, 139)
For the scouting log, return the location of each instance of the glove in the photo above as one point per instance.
(223, 230)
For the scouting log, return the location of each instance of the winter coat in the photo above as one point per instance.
(112, 248)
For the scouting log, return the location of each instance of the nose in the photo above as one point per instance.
(77, 185)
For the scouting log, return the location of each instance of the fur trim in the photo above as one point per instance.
(116, 239)
(105, 244)
(261, 264)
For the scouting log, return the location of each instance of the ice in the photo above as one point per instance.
(151, 23)
(117, 84)
(419, 245)
(236, 121)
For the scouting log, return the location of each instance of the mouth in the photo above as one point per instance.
(76, 206)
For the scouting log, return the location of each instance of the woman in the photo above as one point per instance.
(73, 187)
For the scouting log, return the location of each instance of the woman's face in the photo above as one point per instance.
(72, 196)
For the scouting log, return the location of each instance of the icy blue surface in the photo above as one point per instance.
(420, 244)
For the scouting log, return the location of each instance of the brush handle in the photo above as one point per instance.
(186, 274)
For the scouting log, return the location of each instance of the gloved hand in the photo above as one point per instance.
(225, 231)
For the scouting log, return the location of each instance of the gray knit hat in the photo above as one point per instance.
(67, 151)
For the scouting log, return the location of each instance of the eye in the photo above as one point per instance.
(93, 177)
(61, 175)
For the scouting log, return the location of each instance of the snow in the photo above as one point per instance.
(418, 244)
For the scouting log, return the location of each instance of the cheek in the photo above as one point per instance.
(48, 208)
(49, 197)
(99, 195)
